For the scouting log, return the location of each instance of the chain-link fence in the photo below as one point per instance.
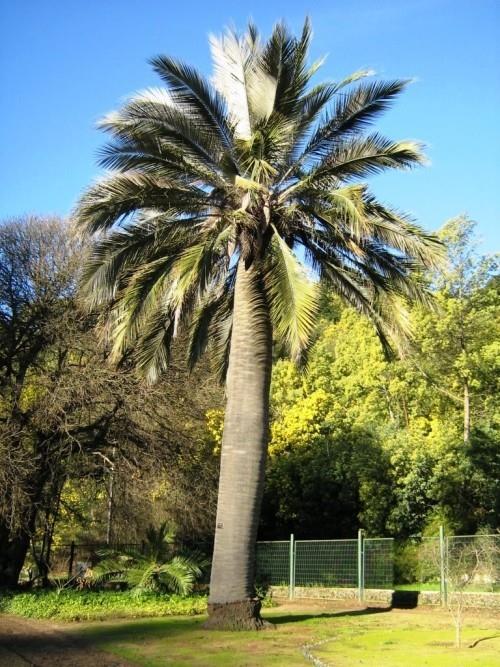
(273, 563)
(446, 563)
(357, 563)
(378, 563)
(326, 563)
(440, 565)
(428, 572)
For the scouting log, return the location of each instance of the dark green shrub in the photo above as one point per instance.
(406, 563)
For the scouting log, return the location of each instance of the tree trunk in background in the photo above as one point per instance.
(14, 542)
(13, 550)
(110, 498)
(232, 602)
(466, 412)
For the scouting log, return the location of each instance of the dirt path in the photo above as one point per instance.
(26, 642)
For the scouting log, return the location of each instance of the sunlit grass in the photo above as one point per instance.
(374, 637)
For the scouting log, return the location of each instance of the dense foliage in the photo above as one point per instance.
(360, 441)
(82, 444)
(356, 440)
(395, 447)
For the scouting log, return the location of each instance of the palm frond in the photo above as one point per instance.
(114, 198)
(155, 124)
(115, 256)
(208, 316)
(239, 171)
(231, 56)
(220, 343)
(353, 112)
(292, 297)
(194, 94)
(361, 157)
(153, 343)
(179, 574)
(354, 159)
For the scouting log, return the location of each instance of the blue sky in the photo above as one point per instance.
(65, 63)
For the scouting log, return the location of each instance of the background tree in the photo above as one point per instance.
(36, 277)
(355, 441)
(326, 456)
(466, 305)
(64, 412)
(398, 427)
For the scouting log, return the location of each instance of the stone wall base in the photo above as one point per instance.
(317, 593)
(385, 596)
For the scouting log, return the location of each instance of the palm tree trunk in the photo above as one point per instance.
(232, 601)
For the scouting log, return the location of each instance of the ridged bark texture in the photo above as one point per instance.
(232, 602)
(13, 550)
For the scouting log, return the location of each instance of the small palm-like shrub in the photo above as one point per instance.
(152, 569)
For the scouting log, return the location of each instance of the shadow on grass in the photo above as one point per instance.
(405, 599)
(131, 631)
(137, 631)
(296, 618)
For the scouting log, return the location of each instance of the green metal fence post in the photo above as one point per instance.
(443, 587)
(291, 576)
(361, 565)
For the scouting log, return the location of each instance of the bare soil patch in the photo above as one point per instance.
(26, 642)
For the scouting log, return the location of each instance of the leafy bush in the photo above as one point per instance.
(154, 570)
(406, 563)
(70, 605)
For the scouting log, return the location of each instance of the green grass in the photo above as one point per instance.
(434, 586)
(430, 586)
(376, 637)
(393, 647)
(412, 638)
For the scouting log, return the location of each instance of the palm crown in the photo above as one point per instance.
(257, 166)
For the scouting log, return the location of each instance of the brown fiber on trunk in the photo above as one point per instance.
(244, 615)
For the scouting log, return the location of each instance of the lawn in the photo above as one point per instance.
(434, 586)
(350, 637)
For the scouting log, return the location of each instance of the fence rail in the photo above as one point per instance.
(444, 564)
(350, 563)
(459, 563)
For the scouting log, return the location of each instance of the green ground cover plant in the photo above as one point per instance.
(70, 605)
(90, 605)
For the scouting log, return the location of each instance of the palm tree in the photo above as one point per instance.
(227, 202)
(153, 568)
